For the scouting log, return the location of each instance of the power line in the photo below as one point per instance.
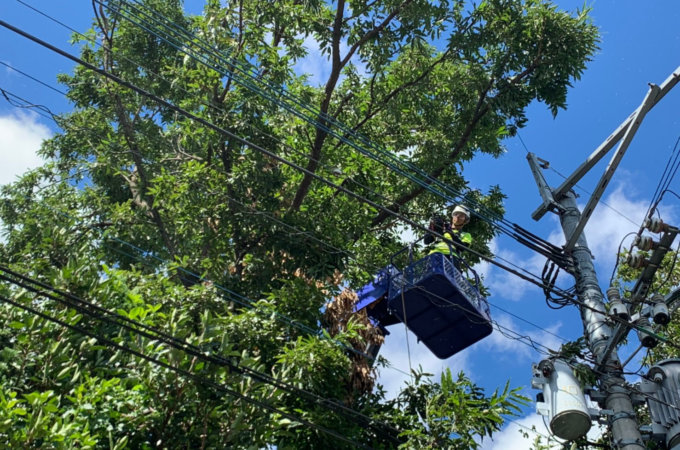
(507, 334)
(395, 215)
(208, 105)
(519, 233)
(214, 127)
(249, 302)
(100, 313)
(182, 372)
(505, 331)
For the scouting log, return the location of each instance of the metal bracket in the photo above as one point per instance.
(631, 129)
(604, 148)
(549, 202)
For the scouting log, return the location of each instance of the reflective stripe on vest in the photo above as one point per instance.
(443, 247)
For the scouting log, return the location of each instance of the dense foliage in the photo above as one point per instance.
(145, 211)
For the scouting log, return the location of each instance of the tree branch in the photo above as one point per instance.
(336, 68)
(480, 110)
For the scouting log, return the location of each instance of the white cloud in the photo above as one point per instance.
(20, 139)
(512, 437)
(318, 66)
(396, 351)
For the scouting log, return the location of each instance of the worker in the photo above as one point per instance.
(459, 218)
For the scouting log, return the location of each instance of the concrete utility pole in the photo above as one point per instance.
(616, 397)
(623, 423)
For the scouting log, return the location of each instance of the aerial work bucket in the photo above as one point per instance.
(439, 305)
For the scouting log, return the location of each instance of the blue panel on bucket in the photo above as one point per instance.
(439, 305)
(373, 297)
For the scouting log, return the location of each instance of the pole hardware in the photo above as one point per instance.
(637, 260)
(602, 340)
(662, 388)
(617, 307)
(655, 225)
(645, 243)
(660, 313)
(563, 400)
(643, 332)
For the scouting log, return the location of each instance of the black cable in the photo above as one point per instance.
(100, 313)
(214, 127)
(207, 49)
(618, 256)
(182, 372)
(665, 179)
(552, 252)
(34, 79)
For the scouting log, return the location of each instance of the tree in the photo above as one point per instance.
(192, 216)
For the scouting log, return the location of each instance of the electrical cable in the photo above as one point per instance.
(214, 127)
(618, 257)
(99, 313)
(553, 249)
(43, 111)
(232, 64)
(669, 275)
(182, 372)
(207, 105)
(501, 266)
(247, 302)
(58, 91)
(509, 335)
(665, 179)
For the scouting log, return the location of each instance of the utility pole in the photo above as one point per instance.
(616, 399)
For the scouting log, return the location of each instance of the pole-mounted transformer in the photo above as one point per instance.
(562, 399)
(662, 388)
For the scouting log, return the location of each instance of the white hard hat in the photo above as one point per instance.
(461, 209)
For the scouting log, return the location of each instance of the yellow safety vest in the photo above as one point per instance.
(444, 248)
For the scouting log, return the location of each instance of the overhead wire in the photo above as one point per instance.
(554, 249)
(181, 372)
(295, 166)
(513, 335)
(244, 301)
(666, 178)
(514, 231)
(208, 105)
(100, 313)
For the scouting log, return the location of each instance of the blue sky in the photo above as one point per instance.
(640, 44)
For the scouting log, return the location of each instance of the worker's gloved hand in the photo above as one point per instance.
(428, 239)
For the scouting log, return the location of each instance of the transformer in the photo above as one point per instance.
(563, 400)
(662, 386)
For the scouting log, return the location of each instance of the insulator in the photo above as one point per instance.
(645, 243)
(613, 294)
(655, 225)
(636, 260)
(660, 313)
(619, 309)
(646, 339)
